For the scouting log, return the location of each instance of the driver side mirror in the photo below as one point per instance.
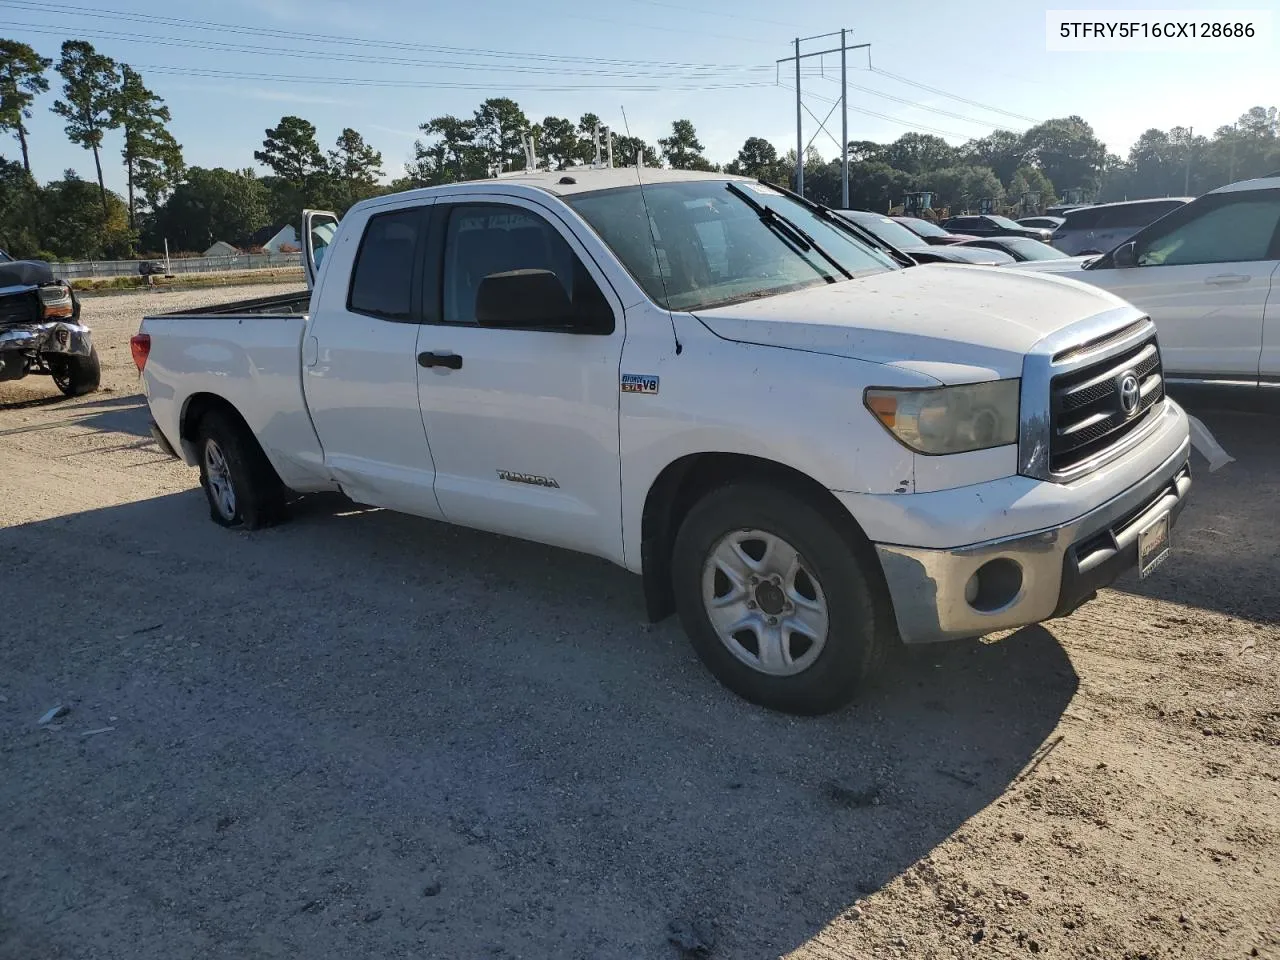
(523, 298)
(1125, 255)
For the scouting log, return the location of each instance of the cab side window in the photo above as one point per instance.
(382, 279)
(1231, 228)
(516, 248)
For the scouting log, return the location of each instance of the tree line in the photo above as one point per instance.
(192, 207)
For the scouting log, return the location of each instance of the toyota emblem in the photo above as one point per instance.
(1130, 391)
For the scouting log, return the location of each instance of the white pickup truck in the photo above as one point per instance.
(806, 450)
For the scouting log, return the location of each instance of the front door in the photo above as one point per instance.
(523, 421)
(1203, 273)
(360, 370)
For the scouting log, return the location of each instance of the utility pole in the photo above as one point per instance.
(844, 123)
(799, 128)
(843, 104)
(1186, 177)
(1231, 176)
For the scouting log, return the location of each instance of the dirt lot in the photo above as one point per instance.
(362, 735)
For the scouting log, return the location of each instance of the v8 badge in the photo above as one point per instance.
(639, 383)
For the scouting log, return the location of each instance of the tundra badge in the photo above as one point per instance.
(532, 478)
(639, 383)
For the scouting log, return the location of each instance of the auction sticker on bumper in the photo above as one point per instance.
(1153, 544)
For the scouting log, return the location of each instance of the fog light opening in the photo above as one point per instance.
(993, 585)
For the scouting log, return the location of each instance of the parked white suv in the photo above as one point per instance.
(805, 449)
(1208, 274)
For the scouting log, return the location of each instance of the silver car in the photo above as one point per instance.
(1104, 226)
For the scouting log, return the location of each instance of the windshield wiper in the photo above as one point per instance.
(859, 231)
(773, 219)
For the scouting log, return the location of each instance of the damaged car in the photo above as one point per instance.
(40, 329)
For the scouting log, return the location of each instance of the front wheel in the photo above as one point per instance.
(776, 600)
(75, 375)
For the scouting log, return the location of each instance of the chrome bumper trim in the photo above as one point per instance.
(54, 336)
(927, 587)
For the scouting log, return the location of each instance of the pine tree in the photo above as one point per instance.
(152, 157)
(21, 78)
(90, 87)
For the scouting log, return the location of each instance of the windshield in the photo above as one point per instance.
(924, 228)
(890, 231)
(702, 246)
(1033, 249)
(1005, 222)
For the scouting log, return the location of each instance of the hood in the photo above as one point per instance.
(953, 323)
(1063, 265)
(25, 273)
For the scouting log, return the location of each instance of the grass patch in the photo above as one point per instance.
(187, 281)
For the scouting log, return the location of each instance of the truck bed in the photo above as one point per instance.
(277, 305)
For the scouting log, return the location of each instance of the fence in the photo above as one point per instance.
(129, 268)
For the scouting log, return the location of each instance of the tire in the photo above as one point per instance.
(800, 673)
(239, 482)
(74, 375)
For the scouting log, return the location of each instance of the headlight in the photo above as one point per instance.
(56, 302)
(972, 416)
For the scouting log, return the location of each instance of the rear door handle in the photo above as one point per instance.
(1222, 279)
(432, 358)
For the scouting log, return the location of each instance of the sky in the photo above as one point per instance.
(638, 64)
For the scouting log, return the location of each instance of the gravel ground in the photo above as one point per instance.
(361, 735)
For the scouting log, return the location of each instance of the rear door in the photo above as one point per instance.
(1204, 274)
(360, 370)
(523, 422)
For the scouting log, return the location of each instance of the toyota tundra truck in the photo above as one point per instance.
(807, 450)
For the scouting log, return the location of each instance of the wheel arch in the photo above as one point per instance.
(199, 405)
(684, 481)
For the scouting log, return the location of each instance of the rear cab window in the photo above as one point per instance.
(382, 279)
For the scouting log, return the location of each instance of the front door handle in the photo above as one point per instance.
(433, 358)
(1223, 279)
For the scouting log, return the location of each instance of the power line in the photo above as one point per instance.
(211, 73)
(918, 104)
(910, 124)
(951, 96)
(218, 46)
(273, 32)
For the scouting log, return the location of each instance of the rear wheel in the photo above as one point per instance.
(777, 601)
(239, 482)
(75, 375)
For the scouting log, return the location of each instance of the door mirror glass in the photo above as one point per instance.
(1124, 255)
(523, 298)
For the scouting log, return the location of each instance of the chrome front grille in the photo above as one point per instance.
(1087, 412)
(1088, 394)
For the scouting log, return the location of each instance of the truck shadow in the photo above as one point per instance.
(1224, 546)
(103, 413)
(313, 722)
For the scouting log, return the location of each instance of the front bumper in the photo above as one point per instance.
(53, 336)
(1061, 567)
